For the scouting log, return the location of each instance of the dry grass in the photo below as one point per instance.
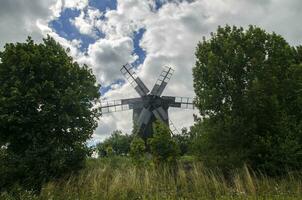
(119, 179)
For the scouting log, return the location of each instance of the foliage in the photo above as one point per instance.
(184, 141)
(137, 147)
(162, 146)
(46, 112)
(118, 142)
(138, 151)
(248, 87)
(101, 180)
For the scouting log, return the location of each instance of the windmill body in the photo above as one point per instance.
(150, 106)
(150, 103)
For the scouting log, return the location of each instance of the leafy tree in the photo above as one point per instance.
(46, 112)
(137, 150)
(137, 147)
(183, 141)
(162, 146)
(248, 86)
(119, 142)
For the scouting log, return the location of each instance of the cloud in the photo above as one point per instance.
(19, 19)
(87, 22)
(127, 18)
(107, 56)
(60, 5)
(170, 39)
(76, 4)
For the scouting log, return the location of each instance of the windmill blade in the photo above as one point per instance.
(120, 105)
(160, 114)
(128, 71)
(179, 102)
(173, 129)
(133, 102)
(144, 118)
(162, 81)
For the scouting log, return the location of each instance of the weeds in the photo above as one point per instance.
(118, 178)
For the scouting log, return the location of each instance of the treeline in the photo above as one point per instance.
(119, 143)
(161, 147)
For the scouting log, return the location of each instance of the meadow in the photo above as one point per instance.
(119, 178)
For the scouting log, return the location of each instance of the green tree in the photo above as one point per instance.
(162, 146)
(119, 142)
(47, 112)
(183, 141)
(248, 91)
(137, 150)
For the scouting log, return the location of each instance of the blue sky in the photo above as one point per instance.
(103, 5)
(64, 27)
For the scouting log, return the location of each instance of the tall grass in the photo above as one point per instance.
(118, 178)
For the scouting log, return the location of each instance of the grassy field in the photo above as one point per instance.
(117, 178)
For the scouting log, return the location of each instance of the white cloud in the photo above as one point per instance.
(72, 4)
(86, 22)
(107, 56)
(19, 19)
(60, 5)
(77, 4)
(170, 39)
(129, 17)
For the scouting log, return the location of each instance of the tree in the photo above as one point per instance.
(248, 91)
(183, 141)
(162, 146)
(137, 150)
(47, 112)
(119, 142)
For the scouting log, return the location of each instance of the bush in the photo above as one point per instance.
(138, 150)
(162, 146)
(118, 143)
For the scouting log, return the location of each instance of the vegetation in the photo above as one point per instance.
(118, 144)
(117, 178)
(162, 146)
(184, 141)
(46, 113)
(247, 144)
(138, 150)
(248, 87)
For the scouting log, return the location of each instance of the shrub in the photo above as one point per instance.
(162, 146)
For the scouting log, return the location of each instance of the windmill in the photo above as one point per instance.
(150, 106)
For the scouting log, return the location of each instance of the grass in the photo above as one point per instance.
(117, 178)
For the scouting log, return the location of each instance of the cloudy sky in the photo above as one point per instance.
(105, 34)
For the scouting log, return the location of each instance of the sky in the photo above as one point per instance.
(150, 34)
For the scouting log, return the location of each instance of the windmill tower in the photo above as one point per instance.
(150, 106)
